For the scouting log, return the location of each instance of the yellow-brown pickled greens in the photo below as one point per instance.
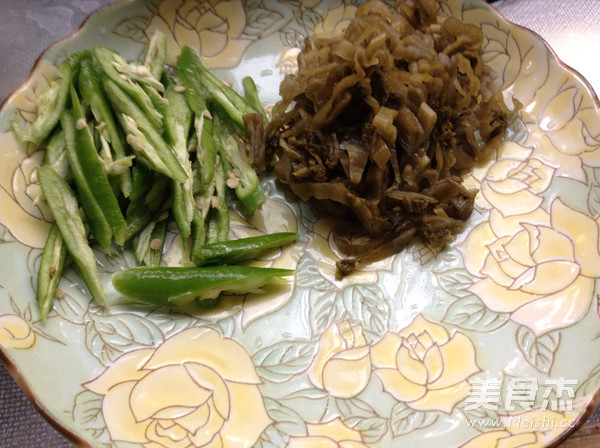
(384, 119)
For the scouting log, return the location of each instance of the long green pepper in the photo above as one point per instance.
(151, 144)
(171, 286)
(92, 93)
(94, 175)
(95, 218)
(50, 270)
(65, 209)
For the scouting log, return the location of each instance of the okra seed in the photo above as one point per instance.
(179, 88)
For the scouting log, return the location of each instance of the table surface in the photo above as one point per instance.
(27, 27)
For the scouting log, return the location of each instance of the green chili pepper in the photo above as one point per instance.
(50, 271)
(93, 94)
(142, 179)
(149, 243)
(178, 120)
(142, 212)
(55, 155)
(206, 151)
(50, 106)
(145, 138)
(126, 76)
(63, 204)
(189, 73)
(153, 256)
(173, 286)
(251, 96)
(193, 74)
(242, 177)
(93, 174)
(156, 54)
(242, 249)
(200, 217)
(217, 225)
(95, 218)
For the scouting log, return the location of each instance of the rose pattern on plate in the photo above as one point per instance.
(15, 332)
(332, 434)
(342, 365)
(214, 28)
(424, 366)
(196, 389)
(539, 267)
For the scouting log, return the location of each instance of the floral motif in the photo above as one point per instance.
(541, 268)
(332, 434)
(15, 332)
(531, 429)
(515, 183)
(288, 61)
(424, 366)
(274, 216)
(21, 211)
(196, 389)
(342, 365)
(214, 28)
(335, 21)
(322, 248)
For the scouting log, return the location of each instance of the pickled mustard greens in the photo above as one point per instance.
(383, 120)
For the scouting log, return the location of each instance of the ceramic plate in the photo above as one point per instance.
(491, 342)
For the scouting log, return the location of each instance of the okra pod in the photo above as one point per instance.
(241, 249)
(65, 209)
(174, 286)
(50, 270)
